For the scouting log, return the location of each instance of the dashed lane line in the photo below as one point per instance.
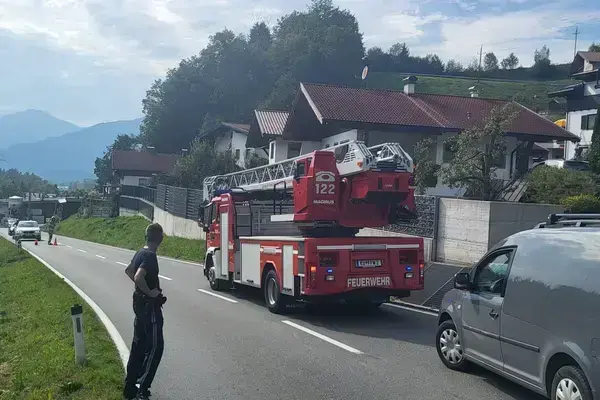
(323, 337)
(165, 277)
(217, 295)
(121, 263)
(100, 257)
(424, 312)
(83, 251)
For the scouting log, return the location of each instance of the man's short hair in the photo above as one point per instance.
(153, 232)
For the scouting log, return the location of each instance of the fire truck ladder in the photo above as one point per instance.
(352, 157)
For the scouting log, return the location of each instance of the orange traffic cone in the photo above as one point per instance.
(56, 244)
(35, 242)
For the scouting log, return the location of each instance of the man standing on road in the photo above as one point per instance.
(148, 343)
(51, 226)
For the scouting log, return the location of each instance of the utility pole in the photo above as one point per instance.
(479, 70)
(576, 35)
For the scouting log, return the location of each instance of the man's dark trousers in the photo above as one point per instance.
(147, 346)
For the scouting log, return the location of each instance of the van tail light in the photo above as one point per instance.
(411, 180)
(313, 276)
(421, 273)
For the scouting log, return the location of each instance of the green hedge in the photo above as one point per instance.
(583, 203)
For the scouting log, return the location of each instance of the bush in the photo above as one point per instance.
(550, 185)
(583, 203)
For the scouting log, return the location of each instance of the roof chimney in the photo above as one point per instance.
(473, 91)
(409, 84)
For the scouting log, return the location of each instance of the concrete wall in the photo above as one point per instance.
(467, 229)
(177, 226)
(427, 242)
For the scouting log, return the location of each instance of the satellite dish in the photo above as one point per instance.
(365, 72)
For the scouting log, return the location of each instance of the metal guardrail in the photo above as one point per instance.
(179, 201)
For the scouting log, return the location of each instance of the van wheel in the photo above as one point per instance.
(275, 301)
(449, 347)
(569, 383)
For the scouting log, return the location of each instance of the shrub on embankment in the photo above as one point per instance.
(37, 358)
(128, 233)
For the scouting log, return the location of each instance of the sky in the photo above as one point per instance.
(90, 61)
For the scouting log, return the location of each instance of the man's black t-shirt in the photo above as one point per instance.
(148, 259)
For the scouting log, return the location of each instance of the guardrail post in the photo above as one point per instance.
(77, 317)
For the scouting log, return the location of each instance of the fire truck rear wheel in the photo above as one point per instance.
(275, 301)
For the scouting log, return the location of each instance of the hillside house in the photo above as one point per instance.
(583, 100)
(137, 168)
(328, 115)
(232, 137)
(266, 128)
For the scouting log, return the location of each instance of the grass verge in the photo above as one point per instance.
(128, 233)
(37, 358)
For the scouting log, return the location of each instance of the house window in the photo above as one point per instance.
(247, 153)
(272, 150)
(587, 122)
(237, 154)
(500, 162)
(294, 149)
(448, 153)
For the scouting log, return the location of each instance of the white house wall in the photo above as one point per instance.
(574, 126)
(129, 180)
(339, 138)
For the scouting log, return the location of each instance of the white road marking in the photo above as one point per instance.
(70, 246)
(83, 251)
(102, 257)
(121, 263)
(323, 337)
(110, 327)
(217, 295)
(430, 313)
(165, 277)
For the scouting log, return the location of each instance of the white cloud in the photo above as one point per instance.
(109, 51)
(520, 32)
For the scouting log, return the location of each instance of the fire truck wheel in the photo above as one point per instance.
(275, 301)
(215, 284)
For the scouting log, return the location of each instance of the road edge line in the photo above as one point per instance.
(108, 324)
(324, 338)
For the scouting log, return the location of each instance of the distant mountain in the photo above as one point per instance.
(69, 157)
(31, 126)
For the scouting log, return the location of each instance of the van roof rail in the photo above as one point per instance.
(577, 220)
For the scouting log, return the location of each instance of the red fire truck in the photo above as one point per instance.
(290, 228)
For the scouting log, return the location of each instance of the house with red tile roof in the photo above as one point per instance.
(228, 136)
(327, 115)
(138, 168)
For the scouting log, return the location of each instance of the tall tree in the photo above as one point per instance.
(453, 66)
(323, 44)
(594, 47)
(510, 62)
(594, 152)
(490, 62)
(478, 153)
(542, 66)
(103, 165)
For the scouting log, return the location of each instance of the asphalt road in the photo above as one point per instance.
(231, 347)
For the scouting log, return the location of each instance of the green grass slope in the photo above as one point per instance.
(37, 358)
(128, 233)
(532, 94)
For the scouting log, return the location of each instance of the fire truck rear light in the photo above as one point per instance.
(411, 180)
(313, 269)
(359, 164)
(409, 275)
(313, 276)
(330, 277)
(421, 272)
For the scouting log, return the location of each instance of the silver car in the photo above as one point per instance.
(28, 230)
(530, 311)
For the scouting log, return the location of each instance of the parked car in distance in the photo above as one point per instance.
(28, 230)
(568, 164)
(529, 310)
